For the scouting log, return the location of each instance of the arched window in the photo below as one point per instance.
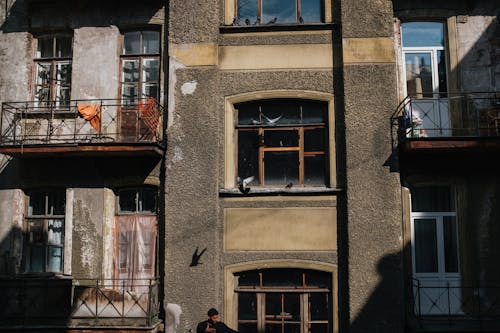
(284, 300)
(283, 142)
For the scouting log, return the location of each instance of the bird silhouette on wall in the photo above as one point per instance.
(195, 260)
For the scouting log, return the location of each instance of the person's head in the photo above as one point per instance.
(213, 315)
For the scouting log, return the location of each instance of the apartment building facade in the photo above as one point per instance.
(302, 166)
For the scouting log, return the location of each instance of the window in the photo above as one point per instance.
(283, 142)
(424, 58)
(45, 231)
(140, 63)
(53, 70)
(254, 12)
(135, 234)
(284, 301)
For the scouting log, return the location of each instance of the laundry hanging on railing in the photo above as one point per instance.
(149, 114)
(91, 113)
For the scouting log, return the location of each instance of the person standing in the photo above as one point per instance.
(213, 325)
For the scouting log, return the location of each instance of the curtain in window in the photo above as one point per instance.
(135, 250)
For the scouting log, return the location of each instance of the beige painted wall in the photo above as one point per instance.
(280, 229)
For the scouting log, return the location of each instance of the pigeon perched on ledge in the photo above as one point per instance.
(243, 184)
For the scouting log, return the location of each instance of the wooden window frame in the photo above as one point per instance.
(140, 57)
(53, 62)
(43, 219)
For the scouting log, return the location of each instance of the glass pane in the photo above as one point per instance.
(63, 73)
(441, 58)
(130, 71)
(150, 90)
(55, 259)
(55, 232)
(147, 200)
(279, 11)
(127, 201)
(423, 34)
(292, 328)
(425, 246)
(247, 11)
(291, 307)
(247, 306)
(311, 11)
(419, 74)
(150, 42)
(247, 327)
(315, 170)
(64, 46)
(57, 202)
(282, 278)
(248, 279)
(129, 93)
(450, 244)
(43, 73)
(35, 232)
(150, 69)
(35, 259)
(319, 328)
(36, 203)
(248, 155)
(432, 199)
(45, 47)
(319, 307)
(273, 328)
(42, 95)
(314, 112)
(281, 138)
(315, 139)
(131, 42)
(63, 96)
(318, 279)
(281, 168)
(273, 306)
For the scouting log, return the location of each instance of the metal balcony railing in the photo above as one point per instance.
(97, 121)
(79, 302)
(446, 116)
(450, 302)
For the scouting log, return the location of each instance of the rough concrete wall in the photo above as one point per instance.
(11, 217)
(88, 212)
(366, 19)
(95, 63)
(15, 74)
(479, 53)
(374, 201)
(193, 21)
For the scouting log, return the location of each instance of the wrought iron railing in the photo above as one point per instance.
(449, 302)
(79, 302)
(96, 121)
(464, 115)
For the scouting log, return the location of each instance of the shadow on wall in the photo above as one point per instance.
(384, 310)
(31, 15)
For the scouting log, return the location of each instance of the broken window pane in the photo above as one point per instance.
(64, 46)
(148, 201)
(247, 306)
(314, 169)
(248, 154)
(282, 138)
(45, 47)
(127, 200)
(318, 305)
(281, 168)
(314, 139)
(131, 42)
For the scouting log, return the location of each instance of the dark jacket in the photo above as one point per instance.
(219, 326)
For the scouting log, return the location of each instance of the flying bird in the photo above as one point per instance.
(272, 121)
(243, 184)
(195, 260)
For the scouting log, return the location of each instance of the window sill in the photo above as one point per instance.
(273, 191)
(231, 29)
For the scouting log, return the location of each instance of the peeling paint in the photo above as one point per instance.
(188, 88)
(174, 65)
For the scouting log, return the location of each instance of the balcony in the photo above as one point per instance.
(79, 303)
(448, 306)
(90, 127)
(465, 122)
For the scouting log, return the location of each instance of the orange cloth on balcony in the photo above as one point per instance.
(149, 114)
(91, 113)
